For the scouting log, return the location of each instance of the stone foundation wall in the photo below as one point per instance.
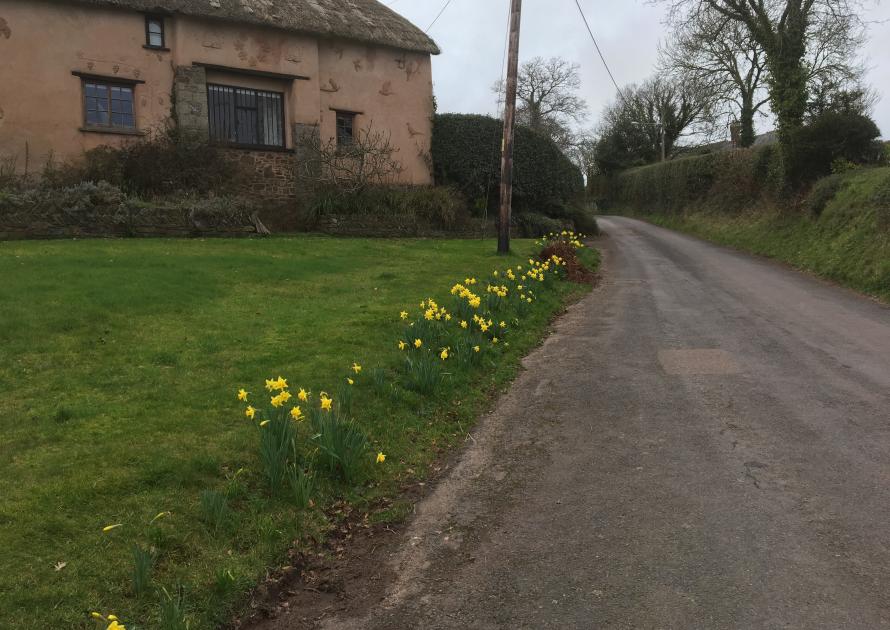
(265, 175)
(404, 227)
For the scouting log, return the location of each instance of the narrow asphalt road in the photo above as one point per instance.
(704, 442)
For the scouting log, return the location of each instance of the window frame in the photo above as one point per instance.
(108, 83)
(247, 145)
(353, 118)
(154, 17)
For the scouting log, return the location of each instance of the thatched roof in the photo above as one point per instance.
(366, 21)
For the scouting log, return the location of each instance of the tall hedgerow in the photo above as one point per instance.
(466, 154)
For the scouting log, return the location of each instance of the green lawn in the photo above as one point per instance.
(119, 363)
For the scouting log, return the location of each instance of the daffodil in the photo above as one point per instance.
(356, 368)
(114, 625)
(381, 458)
(280, 384)
(96, 615)
(285, 396)
(495, 341)
(242, 395)
(402, 345)
(350, 381)
(464, 325)
(270, 384)
(326, 402)
(403, 315)
(159, 516)
(277, 401)
(108, 528)
(476, 349)
(264, 423)
(296, 413)
(444, 354)
(418, 343)
(250, 412)
(303, 395)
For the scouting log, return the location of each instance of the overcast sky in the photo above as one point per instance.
(471, 34)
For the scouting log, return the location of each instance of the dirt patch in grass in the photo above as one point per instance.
(575, 269)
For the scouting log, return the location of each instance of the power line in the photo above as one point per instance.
(438, 16)
(597, 46)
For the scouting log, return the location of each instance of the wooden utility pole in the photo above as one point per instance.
(509, 124)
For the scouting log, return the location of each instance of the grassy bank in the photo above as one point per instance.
(119, 363)
(841, 232)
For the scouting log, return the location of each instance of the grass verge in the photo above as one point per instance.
(848, 242)
(120, 362)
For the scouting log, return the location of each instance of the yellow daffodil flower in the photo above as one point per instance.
(96, 615)
(418, 343)
(356, 368)
(447, 317)
(242, 395)
(464, 325)
(495, 341)
(381, 458)
(264, 423)
(444, 354)
(326, 402)
(303, 395)
(285, 396)
(350, 381)
(280, 384)
(277, 401)
(404, 314)
(114, 625)
(108, 528)
(402, 345)
(270, 384)
(503, 324)
(296, 413)
(476, 349)
(250, 412)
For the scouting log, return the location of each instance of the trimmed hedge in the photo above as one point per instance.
(466, 155)
(729, 180)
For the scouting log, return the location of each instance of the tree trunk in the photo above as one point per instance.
(788, 88)
(746, 122)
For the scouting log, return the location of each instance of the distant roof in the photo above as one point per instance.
(365, 21)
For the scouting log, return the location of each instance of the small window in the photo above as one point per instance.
(246, 117)
(345, 130)
(108, 105)
(154, 32)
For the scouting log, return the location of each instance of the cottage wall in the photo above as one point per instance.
(41, 104)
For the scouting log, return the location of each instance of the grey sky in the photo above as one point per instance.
(471, 34)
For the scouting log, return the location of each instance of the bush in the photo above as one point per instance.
(466, 154)
(832, 136)
(823, 192)
(164, 163)
(536, 225)
(441, 205)
(881, 200)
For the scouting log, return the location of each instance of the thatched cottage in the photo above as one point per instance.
(247, 74)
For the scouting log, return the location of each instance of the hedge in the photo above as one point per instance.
(466, 155)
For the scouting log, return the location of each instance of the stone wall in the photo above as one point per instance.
(265, 175)
(404, 227)
(190, 101)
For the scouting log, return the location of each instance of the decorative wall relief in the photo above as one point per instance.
(330, 86)
(411, 68)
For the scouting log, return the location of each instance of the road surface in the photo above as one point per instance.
(704, 442)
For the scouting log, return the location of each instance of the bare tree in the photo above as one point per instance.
(368, 160)
(799, 38)
(720, 55)
(547, 98)
(646, 122)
